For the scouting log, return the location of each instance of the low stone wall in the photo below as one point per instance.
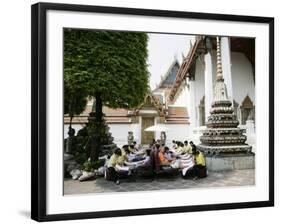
(230, 162)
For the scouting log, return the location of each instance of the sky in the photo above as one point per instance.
(162, 49)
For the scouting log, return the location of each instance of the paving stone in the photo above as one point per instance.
(214, 179)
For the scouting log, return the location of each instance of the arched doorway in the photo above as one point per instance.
(149, 113)
(247, 110)
(147, 136)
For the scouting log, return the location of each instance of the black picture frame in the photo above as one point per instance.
(39, 107)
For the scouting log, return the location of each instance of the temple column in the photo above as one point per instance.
(226, 65)
(208, 84)
(191, 104)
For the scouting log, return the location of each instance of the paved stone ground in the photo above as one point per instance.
(214, 179)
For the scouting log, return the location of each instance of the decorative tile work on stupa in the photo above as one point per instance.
(222, 135)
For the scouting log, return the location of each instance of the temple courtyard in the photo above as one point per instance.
(214, 179)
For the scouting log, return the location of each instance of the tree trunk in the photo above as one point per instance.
(94, 106)
(70, 113)
(98, 107)
(70, 122)
(96, 138)
(71, 133)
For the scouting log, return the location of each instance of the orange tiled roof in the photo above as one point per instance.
(173, 115)
(177, 111)
(177, 115)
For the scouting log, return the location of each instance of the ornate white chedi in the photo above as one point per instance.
(220, 91)
(222, 136)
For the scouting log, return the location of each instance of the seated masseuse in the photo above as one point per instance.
(117, 160)
(112, 164)
(164, 161)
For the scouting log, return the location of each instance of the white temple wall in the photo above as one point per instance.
(242, 78)
(135, 128)
(199, 87)
(182, 99)
(178, 132)
(120, 133)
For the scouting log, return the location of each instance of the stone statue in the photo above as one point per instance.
(71, 133)
(163, 137)
(130, 138)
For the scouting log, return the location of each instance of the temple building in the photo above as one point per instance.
(194, 84)
(182, 100)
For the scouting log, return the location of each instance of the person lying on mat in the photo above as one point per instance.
(136, 146)
(132, 157)
(129, 156)
(142, 163)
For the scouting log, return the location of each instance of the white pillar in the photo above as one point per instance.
(208, 84)
(226, 65)
(250, 127)
(191, 105)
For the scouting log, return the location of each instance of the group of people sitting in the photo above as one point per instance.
(192, 160)
(126, 161)
(181, 156)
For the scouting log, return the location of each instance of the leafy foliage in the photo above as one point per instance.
(109, 66)
(111, 63)
(75, 94)
(90, 166)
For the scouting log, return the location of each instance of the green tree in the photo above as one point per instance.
(75, 94)
(110, 66)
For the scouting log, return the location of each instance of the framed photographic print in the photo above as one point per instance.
(139, 111)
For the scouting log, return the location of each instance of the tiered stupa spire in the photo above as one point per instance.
(219, 64)
(222, 135)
